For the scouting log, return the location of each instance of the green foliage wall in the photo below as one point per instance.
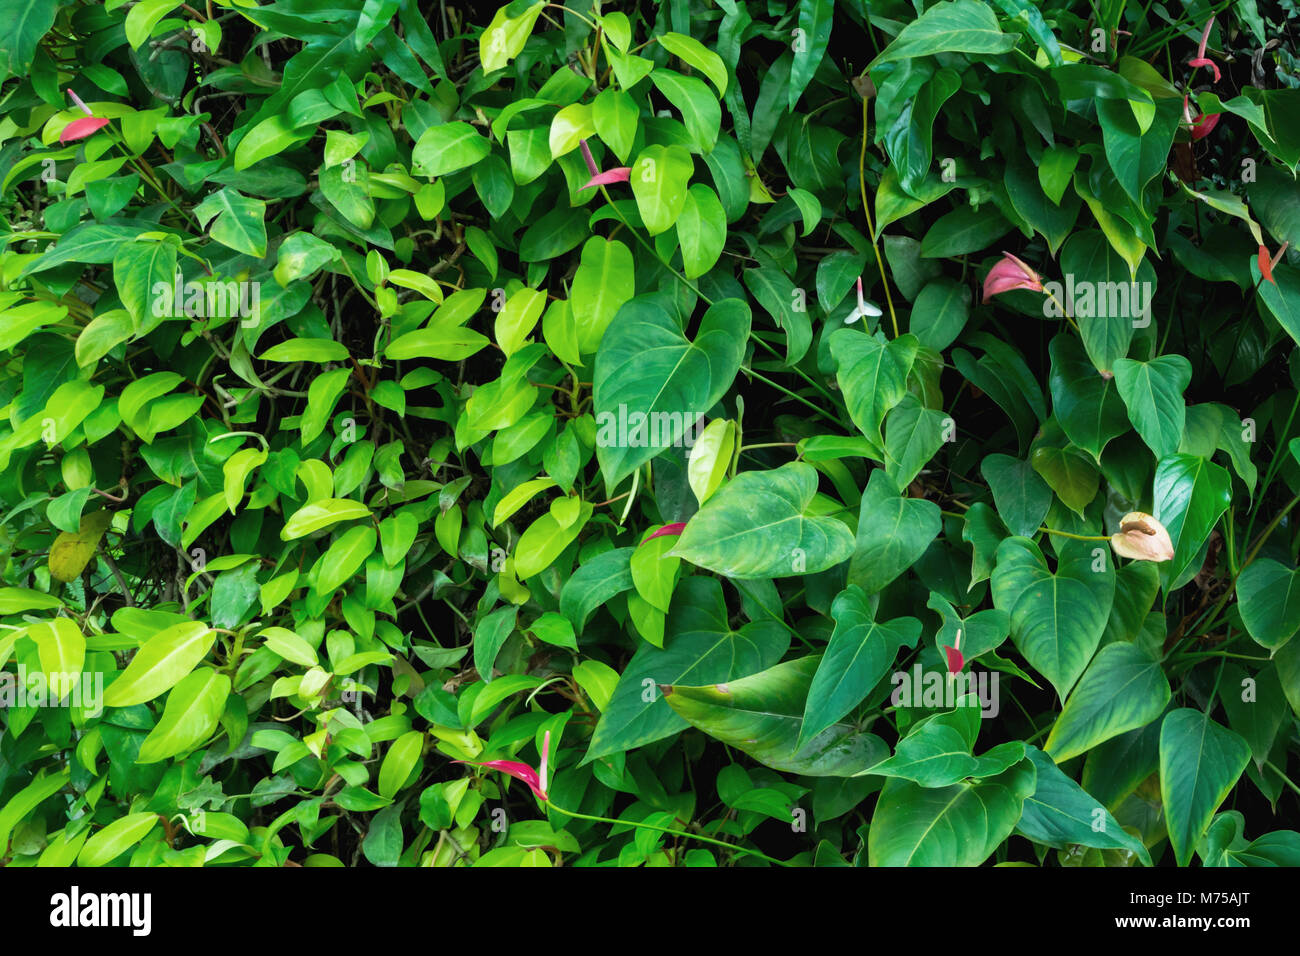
(799, 433)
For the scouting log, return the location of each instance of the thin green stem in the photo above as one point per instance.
(669, 830)
(651, 249)
(871, 229)
(560, 6)
(798, 398)
(1076, 537)
(1285, 779)
(1212, 615)
(771, 444)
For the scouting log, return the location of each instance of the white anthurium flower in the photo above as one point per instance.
(865, 309)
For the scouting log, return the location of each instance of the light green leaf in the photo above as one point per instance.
(445, 149)
(306, 350)
(160, 663)
(143, 17)
(605, 280)
(345, 557)
(321, 514)
(961, 26)
(116, 838)
(695, 53)
(235, 221)
(659, 181)
(193, 710)
(504, 37)
(760, 525)
(701, 230)
(400, 760)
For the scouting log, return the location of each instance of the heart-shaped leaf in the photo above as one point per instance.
(1124, 689)
(1060, 813)
(652, 383)
(1153, 393)
(1190, 495)
(701, 647)
(872, 374)
(960, 825)
(893, 532)
(860, 653)
(759, 525)
(1268, 597)
(1057, 619)
(937, 751)
(1200, 762)
(1086, 403)
(1021, 496)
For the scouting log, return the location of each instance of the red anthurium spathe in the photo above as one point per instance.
(1266, 264)
(1201, 59)
(1202, 125)
(536, 779)
(677, 527)
(80, 129)
(619, 174)
(1010, 273)
(955, 659)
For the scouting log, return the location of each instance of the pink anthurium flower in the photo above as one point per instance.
(1010, 273)
(677, 527)
(864, 308)
(619, 174)
(80, 129)
(1201, 59)
(955, 659)
(536, 779)
(1142, 538)
(1266, 264)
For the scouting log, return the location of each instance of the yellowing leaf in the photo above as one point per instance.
(70, 552)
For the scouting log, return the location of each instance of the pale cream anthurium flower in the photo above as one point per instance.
(1142, 538)
(864, 310)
